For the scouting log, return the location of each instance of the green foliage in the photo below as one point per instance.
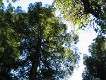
(9, 40)
(82, 12)
(36, 43)
(79, 11)
(1, 1)
(72, 10)
(96, 63)
(9, 43)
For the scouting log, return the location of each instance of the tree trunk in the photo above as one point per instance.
(89, 9)
(36, 57)
(33, 71)
(35, 62)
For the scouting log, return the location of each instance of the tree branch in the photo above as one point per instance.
(88, 8)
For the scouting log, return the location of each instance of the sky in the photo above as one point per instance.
(85, 37)
(24, 3)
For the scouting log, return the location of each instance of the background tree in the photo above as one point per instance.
(79, 11)
(1, 1)
(82, 12)
(96, 63)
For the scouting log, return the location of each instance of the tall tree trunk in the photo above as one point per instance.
(35, 62)
(33, 71)
(36, 57)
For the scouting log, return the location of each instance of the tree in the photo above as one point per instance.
(96, 63)
(79, 11)
(46, 45)
(9, 41)
(39, 45)
(1, 1)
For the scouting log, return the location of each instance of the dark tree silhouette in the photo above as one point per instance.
(96, 63)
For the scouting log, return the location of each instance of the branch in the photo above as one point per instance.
(88, 7)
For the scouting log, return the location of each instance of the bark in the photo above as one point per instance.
(89, 9)
(33, 71)
(36, 57)
(35, 62)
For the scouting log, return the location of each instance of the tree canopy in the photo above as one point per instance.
(96, 63)
(35, 45)
(79, 11)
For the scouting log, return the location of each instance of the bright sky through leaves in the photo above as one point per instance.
(85, 39)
